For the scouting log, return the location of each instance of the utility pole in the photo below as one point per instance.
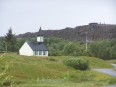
(86, 42)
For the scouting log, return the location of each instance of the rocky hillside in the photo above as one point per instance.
(93, 31)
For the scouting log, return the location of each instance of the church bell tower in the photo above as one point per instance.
(40, 37)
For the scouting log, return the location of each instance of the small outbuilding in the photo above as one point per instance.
(34, 48)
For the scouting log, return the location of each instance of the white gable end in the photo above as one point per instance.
(26, 50)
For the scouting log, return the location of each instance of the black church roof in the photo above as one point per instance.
(37, 47)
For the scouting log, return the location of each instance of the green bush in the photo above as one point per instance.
(78, 63)
(112, 81)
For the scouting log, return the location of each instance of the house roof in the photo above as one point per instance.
(37, 47)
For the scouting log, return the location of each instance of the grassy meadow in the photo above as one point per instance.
(112, 61)
(52, 72)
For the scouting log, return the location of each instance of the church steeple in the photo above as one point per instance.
(40, 32)
(40, 37)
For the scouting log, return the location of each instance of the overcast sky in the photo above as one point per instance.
(28, 15)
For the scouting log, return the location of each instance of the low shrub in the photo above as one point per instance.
(112, 81)
(52, 59)
(78, 63)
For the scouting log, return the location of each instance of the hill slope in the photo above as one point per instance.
(34, 67)
(94, 31)
(50, 71)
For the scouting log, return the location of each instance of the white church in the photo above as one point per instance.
(34, 48)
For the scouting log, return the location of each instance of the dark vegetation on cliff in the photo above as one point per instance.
(94, 31)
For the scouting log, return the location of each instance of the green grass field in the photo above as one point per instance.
(112, 61)
(51, 72)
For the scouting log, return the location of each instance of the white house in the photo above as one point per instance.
(34, 48)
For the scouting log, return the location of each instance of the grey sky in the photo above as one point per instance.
(28, 15)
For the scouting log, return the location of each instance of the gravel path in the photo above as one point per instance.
(109, 72)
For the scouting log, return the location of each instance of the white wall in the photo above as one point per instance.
(42, 53)
(46, 53)
(26, 50)
(40, 39)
